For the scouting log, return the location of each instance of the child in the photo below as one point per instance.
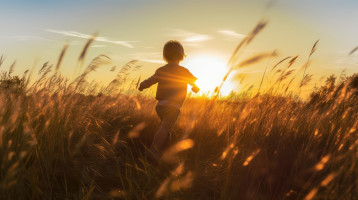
(172, 82)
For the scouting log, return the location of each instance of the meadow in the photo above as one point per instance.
(62, 139)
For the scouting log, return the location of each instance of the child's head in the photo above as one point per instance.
(173, 51)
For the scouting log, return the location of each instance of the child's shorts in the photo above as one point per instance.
(167, 112)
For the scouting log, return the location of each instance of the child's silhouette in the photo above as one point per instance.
(172, 82)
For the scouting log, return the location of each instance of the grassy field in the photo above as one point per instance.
(63, 140)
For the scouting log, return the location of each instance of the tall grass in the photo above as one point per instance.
(62, 139)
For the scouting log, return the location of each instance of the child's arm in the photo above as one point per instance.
(191, 81)
(147, 83)
(195, 88)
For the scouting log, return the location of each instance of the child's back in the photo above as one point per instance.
(172, 82)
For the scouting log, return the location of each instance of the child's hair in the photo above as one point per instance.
(173, 51)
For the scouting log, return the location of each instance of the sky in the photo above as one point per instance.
(34, 31)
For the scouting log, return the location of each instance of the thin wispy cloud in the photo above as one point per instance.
(99, 46)
(159, 61)
(188, 36)
(28, 37)
(86, 36)
(197, 38)
(191, 44)
(232, 33)
(151, 57)
(156, 54)
(346, 62)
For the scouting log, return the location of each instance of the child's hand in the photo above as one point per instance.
(195, 89)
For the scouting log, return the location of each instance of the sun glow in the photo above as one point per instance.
(210, 71)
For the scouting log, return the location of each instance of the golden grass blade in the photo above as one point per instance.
(255, 58)
(252, 156)
(82, 56)
(259, 27)
(101, 60)
(25, 73)
(263, 75)
(306, 66)
(311, 194)
(179, 170)
(314, 48)
(328, 179)
(162, 188)
(319, 166)
(122, 76)
(2, 58)
(293, 60)
(227, 150)
(12, 67)
(138, 82)
(137, 103)
(135, 132)
(182, 183)
(353, 50)
(281, 61)
(60, 58)
(306, 80)
(170, 155)
(285, 75)
(43, 68)
(240, 77)
(247, 40)
(31, 73)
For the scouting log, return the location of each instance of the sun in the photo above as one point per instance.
(210, 71)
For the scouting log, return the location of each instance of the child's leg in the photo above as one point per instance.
(170, 115)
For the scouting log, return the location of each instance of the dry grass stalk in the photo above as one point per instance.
(101, 60)
(311, 194)
(255, 58)
(314, 48)
(304, 71)
(328, 179)
(252, 156)
(263, 75)
(82, 56)
(293, 60)
(122, 76)
(60, 58)
(306, 80)
(281, 61)
(12, 68)
(284, 75)
(135, 132)
(353, 50)
(319, 166)
(2, 59)
(170, 155)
